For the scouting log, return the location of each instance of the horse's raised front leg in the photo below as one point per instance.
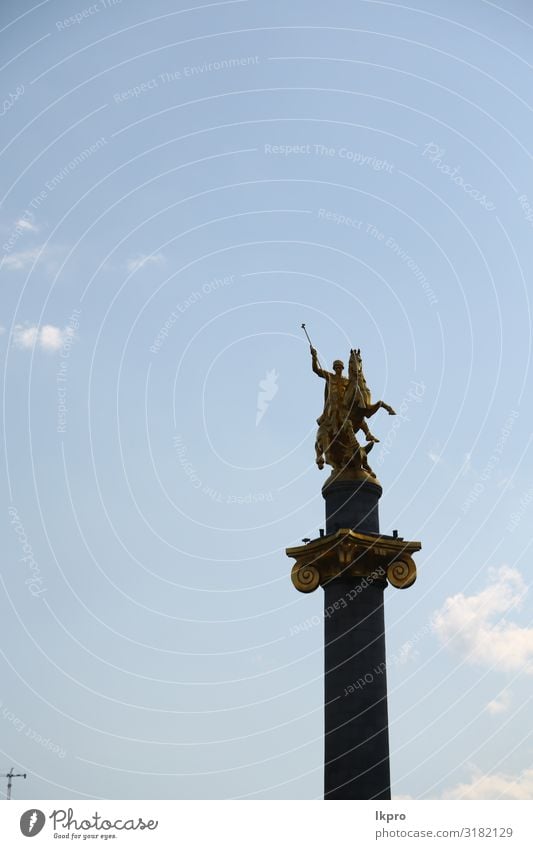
(366, 431)
(319, 449)
(319, 455)
(373, 408)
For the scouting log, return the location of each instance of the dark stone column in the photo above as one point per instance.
(356, 762)
(352, 504)
(356, 721)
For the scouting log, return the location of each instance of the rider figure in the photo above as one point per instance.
(334, 413)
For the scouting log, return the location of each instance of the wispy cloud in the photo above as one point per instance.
(477, 627)
(500, 704)
(45, 257)
(47, 337)
(466, 468)
(496, 786)
(141, 260)
(405, 653)
(27, 224)
(21, 260)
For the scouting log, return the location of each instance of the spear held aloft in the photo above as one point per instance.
(307, 334)
(310, 343)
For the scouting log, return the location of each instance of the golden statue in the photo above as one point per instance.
(347, 405)
(353, 547)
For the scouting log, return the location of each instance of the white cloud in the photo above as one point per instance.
(25, 337)
(434, 457)
(20, 261)
(467, 467)
(495, 786)
(141, 260)
(477, 628)
(48, 337)
(406, 652)
(46, 257)
(500, 704)
(52, 338)
(26, 224)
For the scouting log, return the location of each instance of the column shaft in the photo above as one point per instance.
(356, 721)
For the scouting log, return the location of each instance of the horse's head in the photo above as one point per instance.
(356, 360)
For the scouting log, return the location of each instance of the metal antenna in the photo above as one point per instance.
(10, 775)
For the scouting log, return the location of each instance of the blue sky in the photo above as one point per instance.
(182, 188)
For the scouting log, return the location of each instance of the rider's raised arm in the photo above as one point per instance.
(314, 364)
